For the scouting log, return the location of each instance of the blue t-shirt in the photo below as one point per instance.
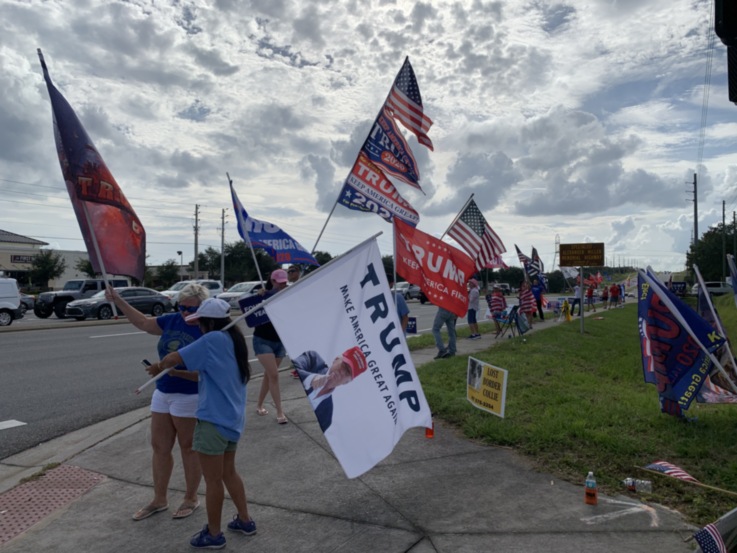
(222, 399)
(176, 334)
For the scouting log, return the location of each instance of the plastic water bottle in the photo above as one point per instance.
(591, 495)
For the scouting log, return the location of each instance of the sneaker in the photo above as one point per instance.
(203, 540)
(475, 337)
(440, 355)
(238, 525)
(448, 354)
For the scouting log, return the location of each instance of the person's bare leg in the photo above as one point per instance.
(190, 460)
(271, 373)
(212, 471)
(163, 435)
(234, 484)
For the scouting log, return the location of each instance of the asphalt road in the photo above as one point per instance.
(59, 375)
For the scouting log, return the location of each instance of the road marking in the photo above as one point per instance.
(632, 508)
(4, 425)
(114, 335)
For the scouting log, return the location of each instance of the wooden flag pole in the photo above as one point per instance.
(707, 486)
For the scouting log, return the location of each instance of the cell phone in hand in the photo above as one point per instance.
(146, 363)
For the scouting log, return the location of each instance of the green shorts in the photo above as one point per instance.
(208, 440)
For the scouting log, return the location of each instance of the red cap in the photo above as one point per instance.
(356, 360)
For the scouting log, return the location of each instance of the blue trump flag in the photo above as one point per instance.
(677, 344)
(273, 240)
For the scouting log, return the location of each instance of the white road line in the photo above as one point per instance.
(4, 425)
(114, 335)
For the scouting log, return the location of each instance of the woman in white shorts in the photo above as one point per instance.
(174, 402)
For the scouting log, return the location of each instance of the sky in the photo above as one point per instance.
(569, 122)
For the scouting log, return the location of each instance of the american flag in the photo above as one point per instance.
(710, 540)
(405, 103)
(475, 235)
(671, 470)
(719, 537)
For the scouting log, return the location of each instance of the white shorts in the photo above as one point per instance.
(176, 405)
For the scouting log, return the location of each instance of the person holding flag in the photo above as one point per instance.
(537, 290)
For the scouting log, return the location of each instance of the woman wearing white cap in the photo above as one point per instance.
(221, 361)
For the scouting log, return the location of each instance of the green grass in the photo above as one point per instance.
(578, 402)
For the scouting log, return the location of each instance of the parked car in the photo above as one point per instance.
(237, 291)
(146, 300)
(10, 304)
(715, 288)
(408, 291)
(27, 302)
(213, 286)
(173, 292)
(76, 289)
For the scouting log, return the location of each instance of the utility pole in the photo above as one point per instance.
(695, 212)
(222, 250)
(734, 233)
(724, 242)
(196, 237)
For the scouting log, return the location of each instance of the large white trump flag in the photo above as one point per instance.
(340, 327)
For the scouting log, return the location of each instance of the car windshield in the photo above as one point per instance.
(179, 286)
(100, 294)
(73, 285)
(241, 287)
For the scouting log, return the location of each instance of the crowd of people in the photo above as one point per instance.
(200, 399)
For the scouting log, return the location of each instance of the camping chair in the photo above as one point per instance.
(520, 320)
(507, 322)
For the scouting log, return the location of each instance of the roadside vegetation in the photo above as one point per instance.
(578, 402)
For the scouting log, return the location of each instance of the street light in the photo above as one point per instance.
(181, 263)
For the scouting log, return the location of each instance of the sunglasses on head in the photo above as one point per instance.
(185, 309)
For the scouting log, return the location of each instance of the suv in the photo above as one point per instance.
(9, 301)
(213, 287)
(56, 301)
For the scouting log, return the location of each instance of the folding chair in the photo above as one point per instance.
(520, 320)
(507, 322)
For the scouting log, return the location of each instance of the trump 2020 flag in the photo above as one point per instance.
(106, 220)
(677, 344)
(341, 330)
(368, 189)
(260, 234)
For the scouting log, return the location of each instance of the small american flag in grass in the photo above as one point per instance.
(671, 470)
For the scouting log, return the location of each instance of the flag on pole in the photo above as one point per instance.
(367, 189)
(671, 470)
(269, 237)
(342, 332)
(536, 269)
(389, 151)
(720, 536)
(677, 345)
(474, 234)
(440, 270)
(405, 103)
(105, 217)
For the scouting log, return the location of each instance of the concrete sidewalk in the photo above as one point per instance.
(445, 494)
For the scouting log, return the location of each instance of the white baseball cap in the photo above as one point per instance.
(215, 308)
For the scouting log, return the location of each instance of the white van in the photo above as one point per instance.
(9, 301)
(715, 288)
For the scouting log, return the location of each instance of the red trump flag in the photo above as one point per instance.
(442, 271)
(106, 219)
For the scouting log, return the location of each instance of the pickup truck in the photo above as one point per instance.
(77, 289)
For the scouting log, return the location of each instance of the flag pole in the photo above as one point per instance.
(717, 320)
(314, 248)
(239, 217)
(707, 486)
(453, 222)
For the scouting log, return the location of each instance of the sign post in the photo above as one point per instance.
(589, 254)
